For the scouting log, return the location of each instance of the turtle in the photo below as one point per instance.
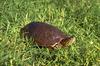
(46, 35)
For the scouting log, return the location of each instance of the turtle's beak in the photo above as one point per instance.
(71, 41)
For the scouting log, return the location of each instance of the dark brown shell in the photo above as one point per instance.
(45, 35)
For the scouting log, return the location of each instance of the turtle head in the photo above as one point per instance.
(68, 40)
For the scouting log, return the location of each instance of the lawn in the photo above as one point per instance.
(80, 18)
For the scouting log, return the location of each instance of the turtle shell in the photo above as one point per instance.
(46, 35)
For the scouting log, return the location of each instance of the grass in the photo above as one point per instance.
(80, 18)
